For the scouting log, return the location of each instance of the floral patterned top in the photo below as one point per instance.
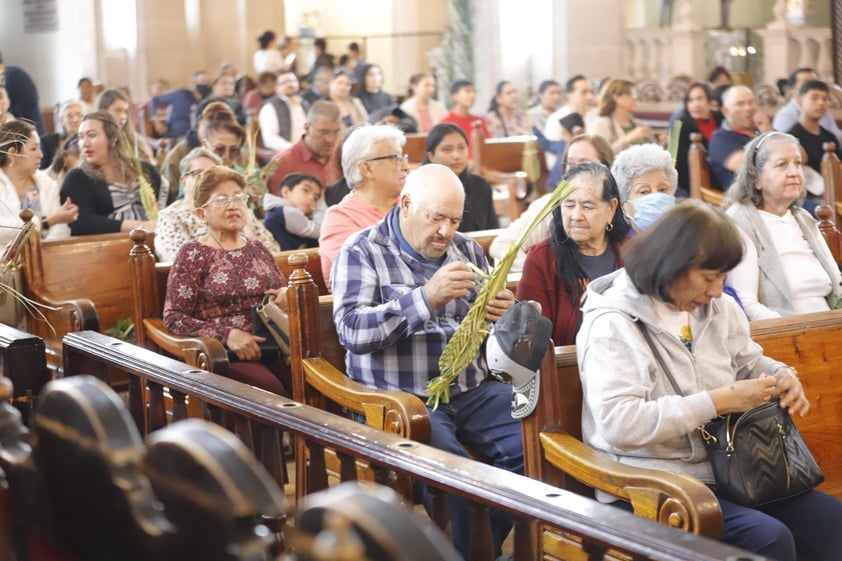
(211, 291)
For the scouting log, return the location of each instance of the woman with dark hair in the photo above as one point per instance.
(225, 138)
(697, 116)
(616, 124)
(117, 104)
(421, 105)
(268, 58)
(105, 186)
(24, 186)
(586, 234)
(664, 311)
(370, 92)
(351, 110)
(447, 145)
(581, 148)
(505, 116)
(787, 268)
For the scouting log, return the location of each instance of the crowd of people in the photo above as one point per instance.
(621, 254)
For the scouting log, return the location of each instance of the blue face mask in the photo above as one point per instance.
(649, 208)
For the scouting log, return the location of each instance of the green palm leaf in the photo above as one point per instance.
(463, 347)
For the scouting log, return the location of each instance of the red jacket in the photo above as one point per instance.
(541, 282)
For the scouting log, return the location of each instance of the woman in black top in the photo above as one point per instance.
(105, 185)
(447, 145)
(697, 116)
(370, 92)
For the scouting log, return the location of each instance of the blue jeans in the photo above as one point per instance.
(481, 419)
(809, 524)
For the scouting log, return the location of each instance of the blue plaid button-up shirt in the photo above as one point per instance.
(384, 320)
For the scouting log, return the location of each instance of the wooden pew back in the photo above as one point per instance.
(832, 175)
(252, 412)
(697, 159)
(415, 148)
(501, 160)
(86, 277)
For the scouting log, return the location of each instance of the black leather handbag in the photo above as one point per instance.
(759, 457)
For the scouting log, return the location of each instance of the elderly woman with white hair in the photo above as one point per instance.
(647, 180)
(375, 168)
(787, 267)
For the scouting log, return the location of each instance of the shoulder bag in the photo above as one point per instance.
(758, 457)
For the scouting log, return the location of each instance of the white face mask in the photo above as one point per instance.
(649, 208)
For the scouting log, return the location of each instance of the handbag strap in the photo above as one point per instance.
(648, 336)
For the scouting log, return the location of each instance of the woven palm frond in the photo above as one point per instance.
(463, 347)
(672, 145)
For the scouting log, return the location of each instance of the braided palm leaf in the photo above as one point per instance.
(147, 193)
(462, 348)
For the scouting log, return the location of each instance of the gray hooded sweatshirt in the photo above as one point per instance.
(630, 410)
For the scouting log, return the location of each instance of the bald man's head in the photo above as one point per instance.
(431, 206)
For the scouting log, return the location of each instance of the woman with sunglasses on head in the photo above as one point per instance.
(178, 223)
(105, 186)
(217, 279)
(225, 138)
(787, 267)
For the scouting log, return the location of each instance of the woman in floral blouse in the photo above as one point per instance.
(218, 278)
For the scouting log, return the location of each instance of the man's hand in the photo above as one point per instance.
(454, 280)
(498, 305)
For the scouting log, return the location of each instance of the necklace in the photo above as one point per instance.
(214, 238)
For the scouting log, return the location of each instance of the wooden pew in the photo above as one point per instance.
(832, 175)
(194, 492)
(500, 160)
(85, 278)
(148, 288)
(23, 360)
(415, 148)
(555, 454)
(697, 159)
(529, 503)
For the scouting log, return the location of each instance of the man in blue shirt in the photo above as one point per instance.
(400, 289)
(181, 103)
(742, 122)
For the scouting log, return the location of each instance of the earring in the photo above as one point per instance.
(609, 226)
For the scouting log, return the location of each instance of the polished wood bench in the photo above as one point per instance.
(86, 279)
(531, 504)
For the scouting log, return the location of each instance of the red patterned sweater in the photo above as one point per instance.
(211, 291)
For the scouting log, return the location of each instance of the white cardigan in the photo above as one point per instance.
(10, 202)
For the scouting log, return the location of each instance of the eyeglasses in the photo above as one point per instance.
(224, 201)
(192, 172)
(399, 158)
(232, 151)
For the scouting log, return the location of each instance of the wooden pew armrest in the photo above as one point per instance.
(203, 352)
(79, 313)
(673, 499)
(393, 411)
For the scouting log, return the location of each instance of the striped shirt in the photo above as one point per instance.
(384, 320)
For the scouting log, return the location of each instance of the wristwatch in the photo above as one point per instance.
(45, 225)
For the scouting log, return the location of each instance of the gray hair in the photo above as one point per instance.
(359, 145)
(638, 160)
(195, 153)
(729, 94)
(757, 152)
(65, 107)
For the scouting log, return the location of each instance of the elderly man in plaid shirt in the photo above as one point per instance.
(400, 289)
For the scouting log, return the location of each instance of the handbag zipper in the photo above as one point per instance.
(786, 460)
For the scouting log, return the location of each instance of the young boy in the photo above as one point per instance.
(813, 99)
(463, 94)
(295, 217)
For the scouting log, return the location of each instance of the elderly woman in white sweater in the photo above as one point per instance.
(787, 267)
